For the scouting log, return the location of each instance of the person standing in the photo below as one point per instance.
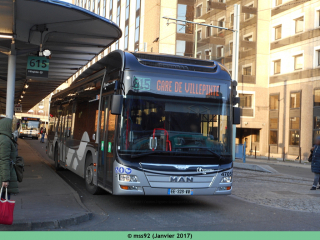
(43, 133)
(8, 154)
(315, 164)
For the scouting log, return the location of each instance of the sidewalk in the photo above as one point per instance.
(252, 160)
(45, 199)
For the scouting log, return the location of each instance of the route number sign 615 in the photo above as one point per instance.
(37, 66)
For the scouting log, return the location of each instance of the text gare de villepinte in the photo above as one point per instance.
(188, 88)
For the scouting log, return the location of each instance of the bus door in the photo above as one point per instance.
(107, 132)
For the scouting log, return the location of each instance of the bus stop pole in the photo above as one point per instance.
(11, 76)
(235, 65)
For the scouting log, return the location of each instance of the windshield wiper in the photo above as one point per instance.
(146, 154)
(205, 148)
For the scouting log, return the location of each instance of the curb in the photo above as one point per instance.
(53, 224)
(253, 167)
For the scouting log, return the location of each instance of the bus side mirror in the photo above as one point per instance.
(116, 105)
(236, 115)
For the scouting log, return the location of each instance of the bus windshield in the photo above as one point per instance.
(151, 125)
(29, 125)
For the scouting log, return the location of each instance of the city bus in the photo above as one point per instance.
(29, 127)
(147, 124)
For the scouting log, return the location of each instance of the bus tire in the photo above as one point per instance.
(88, 177)
(56, 159)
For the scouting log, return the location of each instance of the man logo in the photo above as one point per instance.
(181, 179)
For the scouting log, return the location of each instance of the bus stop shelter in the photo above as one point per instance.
(72, 34)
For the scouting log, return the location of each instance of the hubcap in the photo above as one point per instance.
(89, 174)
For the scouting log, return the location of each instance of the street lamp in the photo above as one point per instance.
(196, 35)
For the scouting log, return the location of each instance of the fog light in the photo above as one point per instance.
(226, 180)
(224, 188)
(128, 178)
(128, 187)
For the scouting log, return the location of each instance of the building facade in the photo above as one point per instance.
(278, 60)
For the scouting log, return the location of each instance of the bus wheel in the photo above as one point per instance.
(56, 159)
(91, 188)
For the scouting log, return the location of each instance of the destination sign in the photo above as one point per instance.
(196, 88)
(30, 119)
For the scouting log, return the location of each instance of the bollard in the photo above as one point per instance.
(300, 154)
(255, 152)
(244, 152)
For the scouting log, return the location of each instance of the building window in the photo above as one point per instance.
(93, 6)
(245, 100)
(274, 102)
(231, 19)
(248, 15)
(180, 47)
(231, 47)
(199, 55)
(277, 32)
(104, 8)
(298, 62)
(126, 33)
(294, 122)
(248, 38)
(278, 2)
(294, 135)
(318, 57)
(41, 104)
(208, 54)
(118, 12)
(199, 35)
(89, 5)
(277, 66)
(222, 1)
(316, 98)
(182, 14)
(246, 71)
(208, 5)
(299, 24)
(295, 100)
(220, 52)
(126, 29)
(199, 11)
(110, 9)
(98, 11)
(137, 29)
(318, 18)
(208, 31)
(274, 136)
(316, 127)
(220, 24)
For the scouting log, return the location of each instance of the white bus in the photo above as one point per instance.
(147, 124)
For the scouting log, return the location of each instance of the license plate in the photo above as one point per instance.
(29, 135)
(180, 191)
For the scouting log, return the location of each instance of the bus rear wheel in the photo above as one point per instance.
(56, 159)
(88, 176)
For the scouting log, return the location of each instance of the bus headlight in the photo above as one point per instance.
(128, 178)
(226, 180)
